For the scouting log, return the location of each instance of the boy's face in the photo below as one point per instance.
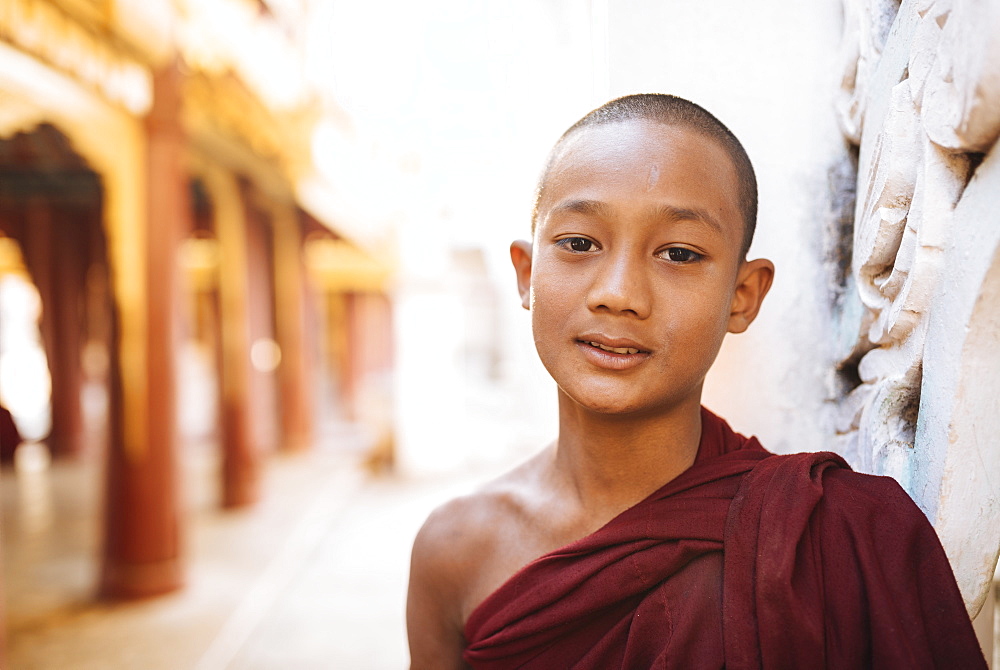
(635, 274)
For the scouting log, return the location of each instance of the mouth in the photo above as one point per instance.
(613, 350)
(619, 346)
(616, 354)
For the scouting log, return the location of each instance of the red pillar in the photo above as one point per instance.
(370, 342)
(260, 294)
(55, 250)
(142, 552)
(69, 246)
(241, 457)
(293, 372)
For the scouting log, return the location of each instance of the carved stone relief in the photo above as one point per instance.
(921, 100)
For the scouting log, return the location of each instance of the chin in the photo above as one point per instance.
(632, 403)
(615, 408)
(608, 406)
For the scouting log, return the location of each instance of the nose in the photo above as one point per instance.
(621, 286)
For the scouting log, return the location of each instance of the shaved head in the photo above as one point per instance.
(672, 111)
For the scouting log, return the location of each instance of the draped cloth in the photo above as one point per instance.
(745, 560)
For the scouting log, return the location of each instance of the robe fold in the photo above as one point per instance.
(745, 560)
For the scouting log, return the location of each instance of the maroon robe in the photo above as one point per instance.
(745, 560)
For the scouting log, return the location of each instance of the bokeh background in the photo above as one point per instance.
(257, 316)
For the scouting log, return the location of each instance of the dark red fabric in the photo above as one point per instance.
(838, 568)
(745, 560)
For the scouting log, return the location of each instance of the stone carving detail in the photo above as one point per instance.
(960, 98)
(866, 24)
(921, 99)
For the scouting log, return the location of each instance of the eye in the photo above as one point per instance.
(680, 255)
(577, 244)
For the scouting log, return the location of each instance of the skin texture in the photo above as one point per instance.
(637, 247)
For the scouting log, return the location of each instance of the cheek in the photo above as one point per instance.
(551, 290)
(716, 327)
(551, 310)
(703, 324)
(718, 320)
(547, 307)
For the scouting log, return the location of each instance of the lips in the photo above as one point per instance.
(614, 350)
(613, 345)
(612, 353)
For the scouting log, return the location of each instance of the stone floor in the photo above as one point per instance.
(314, 576)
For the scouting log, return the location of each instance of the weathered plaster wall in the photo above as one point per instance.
(921, 99)
(957, 459)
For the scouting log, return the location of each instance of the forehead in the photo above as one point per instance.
(639, 160)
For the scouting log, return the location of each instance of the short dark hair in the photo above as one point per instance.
(672, 111)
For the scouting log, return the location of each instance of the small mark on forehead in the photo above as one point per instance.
(654, 177)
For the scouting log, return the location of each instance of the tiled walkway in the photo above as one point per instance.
(312, 577)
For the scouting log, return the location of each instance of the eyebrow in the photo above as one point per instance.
(666, 213)
(590, 207)
(671, 213)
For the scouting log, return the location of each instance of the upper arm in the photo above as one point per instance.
(434, 597)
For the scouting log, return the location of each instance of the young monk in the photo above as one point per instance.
(649, 534)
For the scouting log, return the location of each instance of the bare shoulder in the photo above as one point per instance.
(456, 561)
(460, 539)
(454, 538)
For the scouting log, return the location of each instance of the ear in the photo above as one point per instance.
(520, 256)
(752, 283)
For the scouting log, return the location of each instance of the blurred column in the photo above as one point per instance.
(259, 287)
(65, 347)
(377, 405)
(370, 358)
(38, 245)
(289, 304)
(56, 253)
(240, 454)
(142, 553)
(337, 350)
(353, 353)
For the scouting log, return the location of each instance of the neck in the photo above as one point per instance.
(612, 462)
